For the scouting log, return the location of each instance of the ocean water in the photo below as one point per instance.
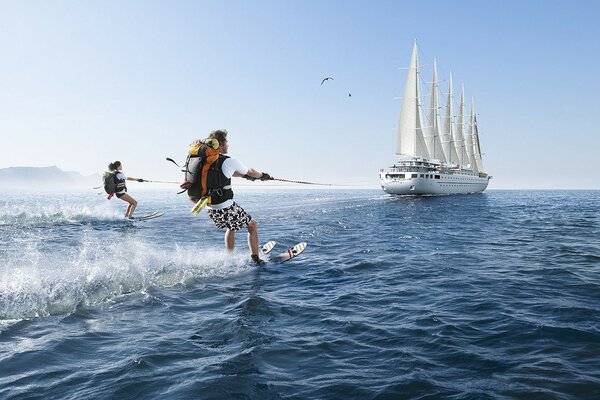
(489, 296)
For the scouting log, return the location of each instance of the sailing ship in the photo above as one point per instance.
(433, 158)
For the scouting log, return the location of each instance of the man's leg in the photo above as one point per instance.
(229, 240)
(253, 236)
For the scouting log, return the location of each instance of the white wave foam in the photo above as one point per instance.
(35, 283)
(5, 323)
(37, 212)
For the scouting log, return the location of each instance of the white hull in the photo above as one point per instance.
(430, 181)
(422, 186)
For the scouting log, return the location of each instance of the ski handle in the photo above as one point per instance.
(173, 161)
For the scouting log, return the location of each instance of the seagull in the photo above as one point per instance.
(326, 79)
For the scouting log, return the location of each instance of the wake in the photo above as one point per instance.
(36, 283)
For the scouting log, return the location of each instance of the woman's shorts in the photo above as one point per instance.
(119, 195)
(233, 217)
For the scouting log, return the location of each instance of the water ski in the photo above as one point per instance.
(287, 255)
(267, 247)
(146, 217)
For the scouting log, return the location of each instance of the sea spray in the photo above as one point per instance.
(36, 283)
(37, 212)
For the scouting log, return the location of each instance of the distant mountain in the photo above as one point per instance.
(44, 178)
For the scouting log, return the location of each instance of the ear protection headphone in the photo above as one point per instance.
(212, 142)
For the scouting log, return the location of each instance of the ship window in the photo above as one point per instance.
(414, 175)
(437, 177)
(421, 175)
(401, 176)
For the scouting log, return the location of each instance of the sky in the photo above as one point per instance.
(84, 83)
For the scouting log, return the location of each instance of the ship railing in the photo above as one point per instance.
(407, 169)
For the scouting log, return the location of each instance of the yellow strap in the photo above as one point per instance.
(200, 205)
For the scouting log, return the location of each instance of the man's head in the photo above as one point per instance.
(221, 136)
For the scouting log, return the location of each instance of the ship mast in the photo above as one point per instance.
(434, 144)
(475, 133)
(460, 131)
(448, 140)
(469, 140)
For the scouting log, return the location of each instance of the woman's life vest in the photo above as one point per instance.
(112, 184)
(204, 174)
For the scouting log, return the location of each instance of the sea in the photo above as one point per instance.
(484, 296)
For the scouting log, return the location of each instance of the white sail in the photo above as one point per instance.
(469, 142)
(433, 140)
(448, 136)
(410, 139)
(475, 138)
(459, 137)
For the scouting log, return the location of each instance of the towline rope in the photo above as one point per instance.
(272, 179)
(301, 182)
(176, 183)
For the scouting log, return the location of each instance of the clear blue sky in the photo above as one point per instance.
(83, 83)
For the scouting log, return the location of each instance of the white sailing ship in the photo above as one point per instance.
(433, 158)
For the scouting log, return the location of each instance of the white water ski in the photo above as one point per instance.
(146, 217)
(267, 247)
(292, 252)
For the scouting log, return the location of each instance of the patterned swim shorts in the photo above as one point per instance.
(233, 217)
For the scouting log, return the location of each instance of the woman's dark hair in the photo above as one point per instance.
(114, 165)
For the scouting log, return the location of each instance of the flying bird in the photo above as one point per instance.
(349, 94)
(326, 79)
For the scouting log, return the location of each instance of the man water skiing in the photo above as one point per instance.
(222, 210)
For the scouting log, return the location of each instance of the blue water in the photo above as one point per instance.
(490, 296)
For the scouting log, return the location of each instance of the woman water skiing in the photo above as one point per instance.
(121, 191)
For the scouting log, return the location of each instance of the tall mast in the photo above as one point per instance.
(469, 142)
(475, 138)
(410, 139)
(434, 143)
(448, 140)
(459, 137)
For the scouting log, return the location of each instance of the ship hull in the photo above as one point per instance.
(433, 184)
